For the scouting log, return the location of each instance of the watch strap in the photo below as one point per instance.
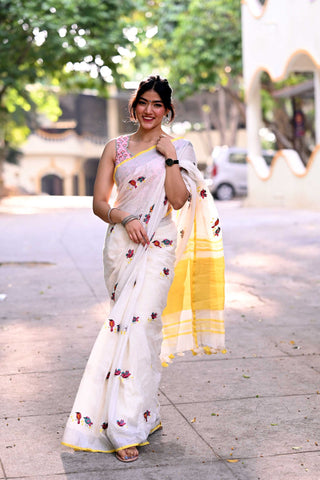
(170, 162)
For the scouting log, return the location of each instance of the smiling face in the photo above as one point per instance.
(150, 110)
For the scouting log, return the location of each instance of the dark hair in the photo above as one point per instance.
(159, 85)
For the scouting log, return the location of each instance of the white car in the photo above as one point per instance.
(226, 177)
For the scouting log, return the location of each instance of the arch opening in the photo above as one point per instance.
(52, 184)
(90, 171)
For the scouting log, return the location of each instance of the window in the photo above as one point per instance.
(238, 158)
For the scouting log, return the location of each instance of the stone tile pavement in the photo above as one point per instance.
(251, 414)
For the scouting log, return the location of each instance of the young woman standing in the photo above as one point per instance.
(116, 407)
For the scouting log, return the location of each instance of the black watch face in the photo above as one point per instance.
(169, 162)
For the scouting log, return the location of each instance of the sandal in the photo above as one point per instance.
(126, 459)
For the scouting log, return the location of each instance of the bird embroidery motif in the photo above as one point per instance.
(88, 421)
(133, 183)
(130, 253)
(203, 193)
(167, 242)
(146, 415)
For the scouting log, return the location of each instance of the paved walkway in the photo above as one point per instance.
(250, 414)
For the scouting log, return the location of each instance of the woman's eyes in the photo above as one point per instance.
(157, 105)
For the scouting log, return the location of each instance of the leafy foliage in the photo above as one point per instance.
(55, 42)
(199, 40)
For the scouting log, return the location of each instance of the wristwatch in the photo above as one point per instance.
(170, 162)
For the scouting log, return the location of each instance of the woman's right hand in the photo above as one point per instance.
(137, 232)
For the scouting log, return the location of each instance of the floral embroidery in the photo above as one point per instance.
(78, 417)
(146, 415)
(135, 319)
(108, 376)
(104, 426)
(121, 423)
(111, 229)
(111, 324)
(141, 179)
(122, 149)
(203, 193)
(130, 253)
(151, 208)
(156, 243)
(216, 228)
(117, 372)
(165, 201)
(88, 421)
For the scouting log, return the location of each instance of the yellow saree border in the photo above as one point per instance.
(83, 449)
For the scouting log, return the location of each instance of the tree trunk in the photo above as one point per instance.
(233, 124)
(205, 113)
(222, 116)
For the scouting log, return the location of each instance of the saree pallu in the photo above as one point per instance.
(117, 402)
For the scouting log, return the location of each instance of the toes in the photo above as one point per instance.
(132, 452)
(128, 453)
(122, 454)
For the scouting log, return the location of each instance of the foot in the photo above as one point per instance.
(127, 454)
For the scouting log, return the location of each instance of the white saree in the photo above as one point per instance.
(117, 402)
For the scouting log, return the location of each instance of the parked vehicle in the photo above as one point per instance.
(226, 177)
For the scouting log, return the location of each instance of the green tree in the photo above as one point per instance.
(55, 42)
(198, 46)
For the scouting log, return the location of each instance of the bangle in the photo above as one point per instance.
(128, 219)
(109, 214)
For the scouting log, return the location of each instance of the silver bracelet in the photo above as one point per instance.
(128, 219)
(109, 214)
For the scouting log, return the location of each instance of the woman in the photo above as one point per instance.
(116, 407)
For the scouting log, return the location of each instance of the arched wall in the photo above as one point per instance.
(280, 37)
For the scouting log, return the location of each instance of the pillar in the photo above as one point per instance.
(254, 117)
(113, 113)
(82, 179)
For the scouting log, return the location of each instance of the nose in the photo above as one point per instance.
(149, 107)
